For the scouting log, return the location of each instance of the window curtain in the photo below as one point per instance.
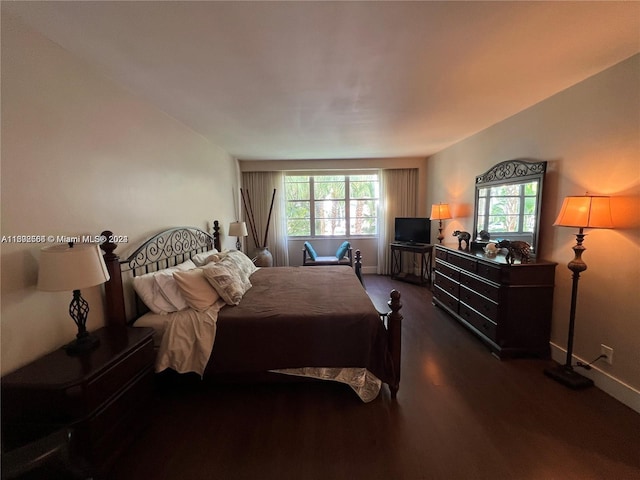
(399, 198)
(258, 190)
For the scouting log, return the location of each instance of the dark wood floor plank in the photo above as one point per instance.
(460, 414)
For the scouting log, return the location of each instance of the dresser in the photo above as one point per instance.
(102, 395)
(507, 306)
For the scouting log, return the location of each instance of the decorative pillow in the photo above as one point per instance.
(203, 258)
(342, 250)
(310, 251)
(227, 281)
(243, 262)
(197, 291)
(151, 291)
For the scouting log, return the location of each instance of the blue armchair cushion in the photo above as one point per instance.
(310, 251)
(342, 250)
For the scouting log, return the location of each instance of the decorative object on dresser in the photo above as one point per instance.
(507, 306)
(102, 396)
(515, 249)
(440, 212)
(71, 267)
(507, 203)
(580, 212)
(462, 237)
(238, 229)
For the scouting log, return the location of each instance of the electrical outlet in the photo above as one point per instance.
(608, 351)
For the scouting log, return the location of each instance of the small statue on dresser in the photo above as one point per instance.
(515, 248)
(462, 237)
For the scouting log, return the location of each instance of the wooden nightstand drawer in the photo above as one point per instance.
(115, 378)
(101, 394)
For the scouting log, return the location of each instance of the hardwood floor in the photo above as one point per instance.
(460, 414)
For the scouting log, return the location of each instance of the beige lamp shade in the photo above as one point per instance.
(67, 268)
(440, 211)
(238, 229)
(585, 211)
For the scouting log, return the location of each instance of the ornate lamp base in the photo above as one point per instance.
(568, 377)
(82, 343)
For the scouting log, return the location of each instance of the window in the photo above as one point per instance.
(508, 208)
(332, 205)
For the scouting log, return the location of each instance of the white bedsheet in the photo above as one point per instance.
(184, 339)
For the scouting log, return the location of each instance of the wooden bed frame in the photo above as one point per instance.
(173, 246)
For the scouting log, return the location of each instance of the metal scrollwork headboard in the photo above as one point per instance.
(169, 247)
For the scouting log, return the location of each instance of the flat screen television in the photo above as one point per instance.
(412, 230)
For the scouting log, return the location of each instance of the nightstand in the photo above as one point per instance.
(103, 395)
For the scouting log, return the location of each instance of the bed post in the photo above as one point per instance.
(114, 299)
(394, 326)
(216, 235)
(358, 266)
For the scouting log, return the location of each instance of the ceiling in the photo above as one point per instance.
(326, 80)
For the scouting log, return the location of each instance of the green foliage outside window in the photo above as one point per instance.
(332, 205)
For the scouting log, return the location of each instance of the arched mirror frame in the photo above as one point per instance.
(511, 172)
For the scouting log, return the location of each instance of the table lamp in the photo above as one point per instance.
(70, 267)
(238, 229)
(440, 212)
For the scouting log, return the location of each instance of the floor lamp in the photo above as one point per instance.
(579, 212)
(440, 212)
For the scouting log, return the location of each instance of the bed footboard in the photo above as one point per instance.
(394, 339)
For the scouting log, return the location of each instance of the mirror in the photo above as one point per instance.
(508, 201)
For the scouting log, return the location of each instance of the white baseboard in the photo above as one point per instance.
(616, 388)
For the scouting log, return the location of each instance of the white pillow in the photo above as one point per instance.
(159, 291)
(202, 259)
(196, 290)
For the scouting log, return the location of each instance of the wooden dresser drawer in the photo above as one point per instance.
(479, 303)
(441, 253)
(466, 263)
(446, 284)
(483, 288)
(490, 272)
(447, 270)
(484, 325)
(445, 299)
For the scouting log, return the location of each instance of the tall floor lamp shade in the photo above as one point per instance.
(440, 212)
(238, 229)
(579, 212)
(70, 267)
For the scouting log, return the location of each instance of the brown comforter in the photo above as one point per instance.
(301, 317)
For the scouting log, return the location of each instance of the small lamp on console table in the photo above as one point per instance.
(238, 229)
(579, 212)
(440, 212)
(70, 267)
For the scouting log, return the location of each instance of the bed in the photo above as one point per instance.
(292, 321)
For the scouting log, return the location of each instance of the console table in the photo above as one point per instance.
(506, 306)
(423, 250)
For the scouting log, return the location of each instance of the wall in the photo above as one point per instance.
(81, 155)
(590, 135)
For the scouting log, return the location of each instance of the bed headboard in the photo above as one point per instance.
(163, 250)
